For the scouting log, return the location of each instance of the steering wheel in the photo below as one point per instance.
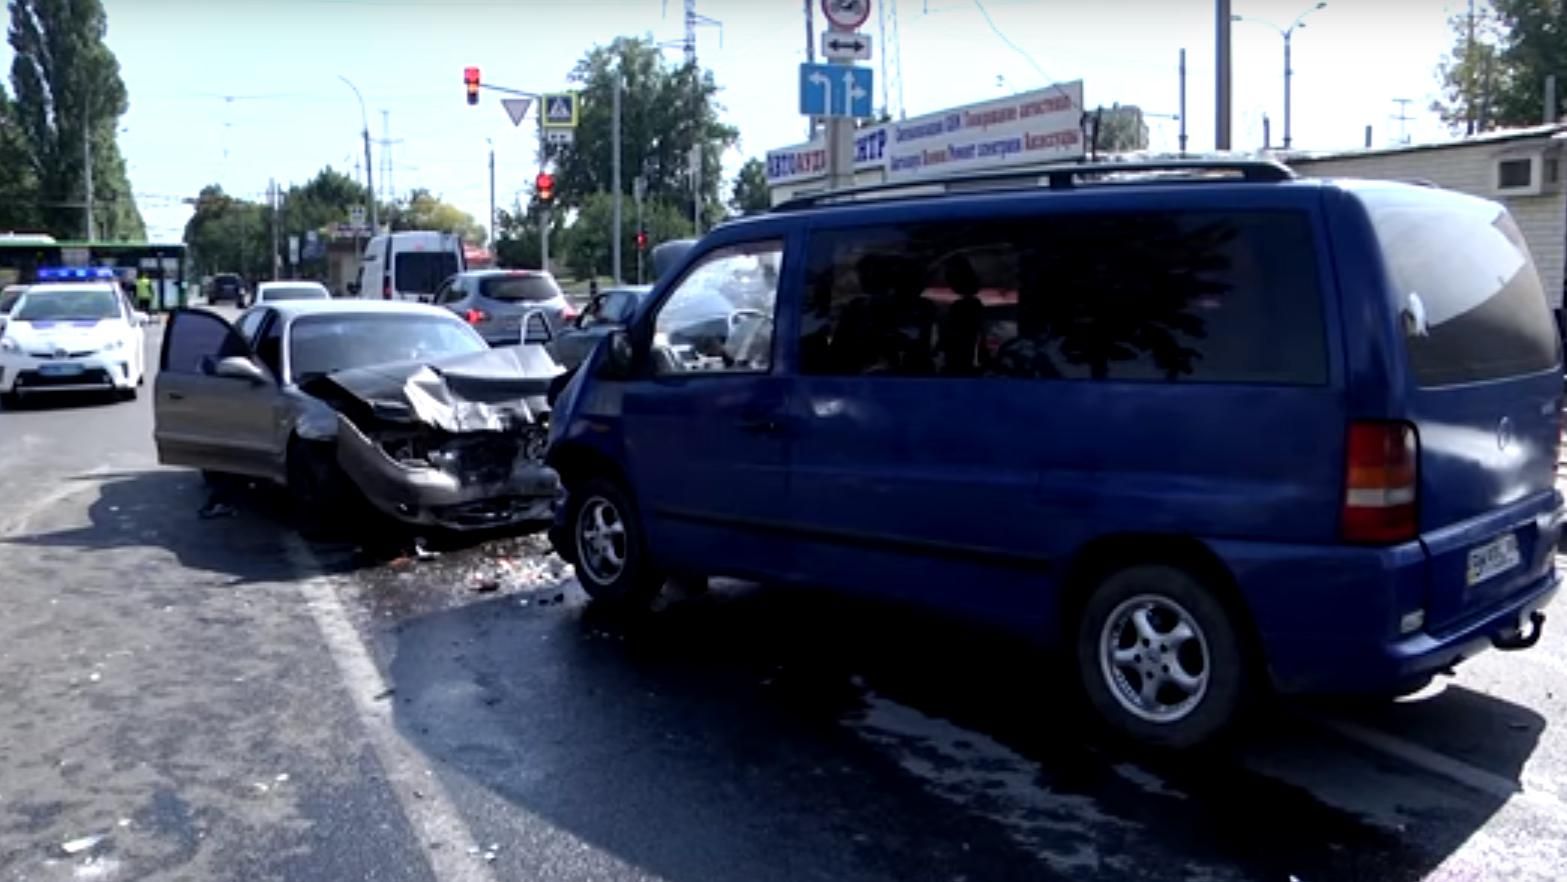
(744, 312)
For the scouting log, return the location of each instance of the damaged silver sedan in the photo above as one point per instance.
(402, 404)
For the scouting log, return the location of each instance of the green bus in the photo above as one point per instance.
(22, 255)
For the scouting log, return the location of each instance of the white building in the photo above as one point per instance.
(1520, 168)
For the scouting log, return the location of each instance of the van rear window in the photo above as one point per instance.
(421, 272)
(1469, 299)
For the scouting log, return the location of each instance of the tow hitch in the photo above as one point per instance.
(1517, 639)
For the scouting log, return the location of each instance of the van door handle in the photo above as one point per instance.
(174, 396)
(762, 425)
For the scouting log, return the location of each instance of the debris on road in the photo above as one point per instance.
(282, 778)
(423, 554)
(77, 846)
(487, 586)
(214, 510)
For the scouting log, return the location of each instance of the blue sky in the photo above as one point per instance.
(238, 92)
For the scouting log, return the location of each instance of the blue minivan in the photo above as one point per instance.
(1210, 428)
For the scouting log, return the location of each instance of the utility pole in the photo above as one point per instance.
(638, 193)
(614, 147)
(492, 192)
(1289, 72)
(364, 123)
(1221, 103)
(272, 198)
(92, 230)
(810, 57)
(1469, 74)
(1403, 118)
(1550, 100)
(1183, 102)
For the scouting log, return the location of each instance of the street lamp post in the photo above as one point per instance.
(1289, 71)
(364, 122)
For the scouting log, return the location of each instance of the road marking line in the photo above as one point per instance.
(448, 845)
(1442, 765)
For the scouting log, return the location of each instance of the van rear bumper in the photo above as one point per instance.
(1327, 618)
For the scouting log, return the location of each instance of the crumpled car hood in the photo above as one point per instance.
(483, 392)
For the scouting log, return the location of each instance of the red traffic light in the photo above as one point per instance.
(641, 240)
(544, 187)
(470, 78)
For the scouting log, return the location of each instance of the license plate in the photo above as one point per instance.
(59, 370)
(1493, 558)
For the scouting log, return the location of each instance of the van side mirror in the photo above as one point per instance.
(619, 356)
(536, 328)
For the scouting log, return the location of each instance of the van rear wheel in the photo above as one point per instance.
(1160, 658)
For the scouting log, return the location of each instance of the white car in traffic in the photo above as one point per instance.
(72, 337)
(274, 292)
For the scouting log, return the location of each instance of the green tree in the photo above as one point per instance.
(229, 235)
(585, 245)
(424, 211)
(517, 236)
(1496, 76)
(751, 195)
(1473, 71)
(67, 93)
(665, 112)
(1122, 129)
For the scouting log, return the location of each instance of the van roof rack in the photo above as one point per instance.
(1057, 176)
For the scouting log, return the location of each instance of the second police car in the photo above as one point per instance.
(74, 331)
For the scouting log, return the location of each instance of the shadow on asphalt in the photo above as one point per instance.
(162, 508)
(749, 728)
(173, 509)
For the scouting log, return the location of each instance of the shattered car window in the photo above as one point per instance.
(325, 344)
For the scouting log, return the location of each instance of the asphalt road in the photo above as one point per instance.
(190, 698)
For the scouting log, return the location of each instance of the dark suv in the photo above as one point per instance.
(226, 286)
(1208, 427)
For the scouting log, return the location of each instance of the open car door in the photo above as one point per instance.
(212, 401)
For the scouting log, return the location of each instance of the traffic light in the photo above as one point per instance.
(641, 240)
(470, 78)
(544, 188)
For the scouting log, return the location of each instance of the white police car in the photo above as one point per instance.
(73, 332)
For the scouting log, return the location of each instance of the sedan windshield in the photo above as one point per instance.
(61, 306)
(325, 344)
(295, 292)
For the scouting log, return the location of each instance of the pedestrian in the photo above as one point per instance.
(144, 294)
(593, 288)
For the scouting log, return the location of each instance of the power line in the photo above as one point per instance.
(1002, 36)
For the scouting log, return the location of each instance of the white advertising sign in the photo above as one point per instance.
(804, 162)
(1035, 127)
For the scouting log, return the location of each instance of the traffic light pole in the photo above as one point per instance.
(544, 221)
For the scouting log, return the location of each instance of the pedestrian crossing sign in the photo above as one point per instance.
(560, 111)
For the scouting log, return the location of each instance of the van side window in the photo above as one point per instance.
(1188, 296)
(719, 319)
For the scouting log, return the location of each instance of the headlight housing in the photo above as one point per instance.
(9, 345)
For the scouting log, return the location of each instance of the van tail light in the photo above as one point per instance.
(386, 287)
(1381, 483)
(476, 316)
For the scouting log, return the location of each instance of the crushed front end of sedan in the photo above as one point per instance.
(457, 443)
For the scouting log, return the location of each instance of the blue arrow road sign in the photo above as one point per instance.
(835, 90)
